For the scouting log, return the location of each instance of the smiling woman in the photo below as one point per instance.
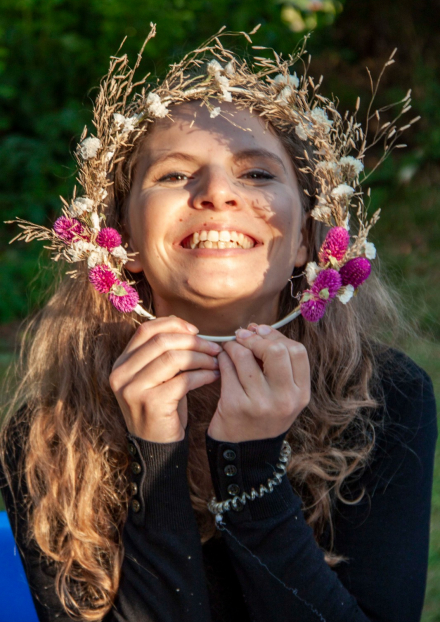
(198, 182)
(312, 445)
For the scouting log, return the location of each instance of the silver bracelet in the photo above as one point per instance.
(219, 507)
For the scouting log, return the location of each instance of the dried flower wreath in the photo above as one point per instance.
(123, 111)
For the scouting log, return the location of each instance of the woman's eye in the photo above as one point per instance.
(174, 177)
(259, 175)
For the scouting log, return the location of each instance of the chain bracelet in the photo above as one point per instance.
(219, 507)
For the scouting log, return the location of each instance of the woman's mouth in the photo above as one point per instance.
(218, 239)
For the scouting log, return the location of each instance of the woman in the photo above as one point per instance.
(218, 202)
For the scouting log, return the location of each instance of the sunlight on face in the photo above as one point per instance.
(215, 211)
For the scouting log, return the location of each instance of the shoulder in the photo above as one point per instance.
(405, 391)
(406, 419)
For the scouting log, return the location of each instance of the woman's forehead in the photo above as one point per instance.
(191, 128)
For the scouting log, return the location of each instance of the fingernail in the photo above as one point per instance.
(264, 329)
(215, 346)
(242, 333)
(215, 360)
(252, 326)
(216, 373)
(192, 328)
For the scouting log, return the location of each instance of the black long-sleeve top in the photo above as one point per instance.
(266, 565)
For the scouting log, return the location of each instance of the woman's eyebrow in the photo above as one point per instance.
(245, 154)
(173, 155)
(248, 154)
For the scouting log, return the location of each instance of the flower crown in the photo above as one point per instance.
(291, 103)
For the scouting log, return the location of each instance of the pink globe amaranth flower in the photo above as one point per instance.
(313, 309)
(328, 282)
(335, 244)
(355, 271)
(128, 301)
(102, 279)
(68, 228)
(108, 238)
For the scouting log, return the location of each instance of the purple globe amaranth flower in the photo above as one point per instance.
(335, 245)
(124, 301)
(102, 278)
(327, 284)
(313, 309)
(108, 238)
(355, 271)
(68, 228)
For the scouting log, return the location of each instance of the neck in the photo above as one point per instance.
(220, 320)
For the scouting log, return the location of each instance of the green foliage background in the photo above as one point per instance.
(53, 53)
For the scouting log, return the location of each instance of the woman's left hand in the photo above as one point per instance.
(257, 403)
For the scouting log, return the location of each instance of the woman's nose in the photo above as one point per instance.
(216, 191)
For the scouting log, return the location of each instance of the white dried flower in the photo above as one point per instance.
(97, 256)
(230, 69)
(223, 84)
(330, 166)
(214, 67)
(343, 191)
(345, 294)
(102, 194)
(284, 94)
(215, 112)
(312, 270)
(119, 120)
(81, 205)
(109, 155)
(89, 147)
(352, 167)
(155, 107)
(94, 217)
(120, 253)
(77, 250)
(291, 80)
(321, 213)
(370, 250)
(320, 117)
(300, 131)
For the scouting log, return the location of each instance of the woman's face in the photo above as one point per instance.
(215, 214)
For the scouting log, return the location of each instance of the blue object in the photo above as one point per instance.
(16, 603)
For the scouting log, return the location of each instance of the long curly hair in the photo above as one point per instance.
(73, 460)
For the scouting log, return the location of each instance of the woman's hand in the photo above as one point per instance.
(162, 362)
(257, 403)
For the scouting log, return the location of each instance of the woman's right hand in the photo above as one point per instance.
(162, 362)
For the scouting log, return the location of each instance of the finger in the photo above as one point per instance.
(275, 355)
(190, 380)
(163, 342)
(228, 373)
(297, 352)
(149, 328)
(249, 373)
(168, 365)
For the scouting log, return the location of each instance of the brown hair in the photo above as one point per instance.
(74, 459)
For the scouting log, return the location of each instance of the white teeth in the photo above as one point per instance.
(219, 239)
(213, 236)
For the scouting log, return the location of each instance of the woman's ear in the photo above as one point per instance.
(303, 245)
(134, 263)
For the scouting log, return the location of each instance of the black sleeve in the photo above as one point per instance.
(162, 575)
(385, 537)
